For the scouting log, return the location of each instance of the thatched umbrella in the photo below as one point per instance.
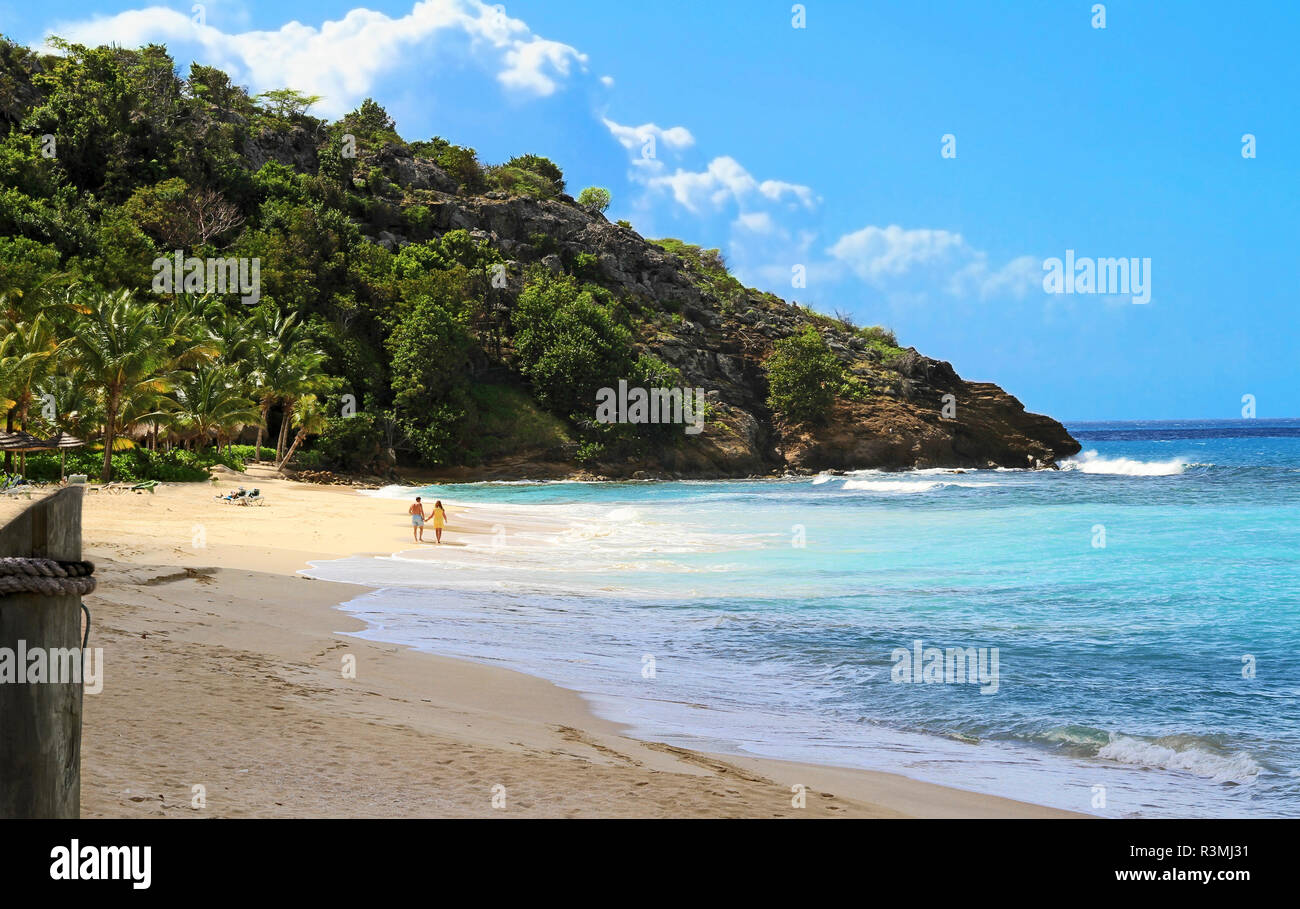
(22, 442)
(62, 441)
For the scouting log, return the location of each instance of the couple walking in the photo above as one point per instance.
(418, 517)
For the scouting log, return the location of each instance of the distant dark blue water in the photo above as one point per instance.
(1168, 430)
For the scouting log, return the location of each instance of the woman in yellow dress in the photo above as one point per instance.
(439, 519)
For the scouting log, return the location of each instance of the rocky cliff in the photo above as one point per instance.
(719, 338)
(718, 335)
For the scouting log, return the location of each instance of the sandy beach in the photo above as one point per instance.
(224, 670)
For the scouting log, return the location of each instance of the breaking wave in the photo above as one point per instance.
(1174, 753)
(1091, 462)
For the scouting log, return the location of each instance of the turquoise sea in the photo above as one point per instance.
(1144, 603)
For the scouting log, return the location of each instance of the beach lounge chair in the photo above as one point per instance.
(20, 490)
(232, 496)
(146, 486)
(253, 498)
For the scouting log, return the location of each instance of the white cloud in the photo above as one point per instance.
(776, 189)
(343, 58)
(607, 81)
(892, 255)
(634, 137)
(873, 253)
(1018, 278)
(531, 64)
(758, 222)
(725, 181)
(763, 212)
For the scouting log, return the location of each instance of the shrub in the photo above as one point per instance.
(596, 198)
(459, 163)
(348, 443)
(24, 263)
(589, 452)
(708, 267)
(853, 388)
(543, 243)
(520, 182)
(586, 266)
(803, 376)
(569, 343)
(882, 341)
(545, 168)
(135, 465)
(456, 247)
(371, 126)
(878, 333)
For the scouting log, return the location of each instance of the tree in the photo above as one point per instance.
(284, 364)
(596, 198)
(371, 125)
(287, 103)
(311, 419)
(181, 217)
(569, 343)
(121, 347)
(29, 352)
(210, 403)
(77, 407)
(430, 387)
(803, 375)
(211, 86)
(307, 379)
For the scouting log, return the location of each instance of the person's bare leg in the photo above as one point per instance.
(438, 532)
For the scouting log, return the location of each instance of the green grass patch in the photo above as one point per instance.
(509, 421)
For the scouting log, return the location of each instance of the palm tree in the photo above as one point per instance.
(272, 374)
(210, 401)
(286, 366)
(307, 378)
(238, 337)
(78, 407)
(29, 352)
(125, 353)
(185, 322)
(310, 418)
(146, 411)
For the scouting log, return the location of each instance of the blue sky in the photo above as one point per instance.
(821, 146)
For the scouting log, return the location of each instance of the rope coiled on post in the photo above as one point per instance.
(47, 577)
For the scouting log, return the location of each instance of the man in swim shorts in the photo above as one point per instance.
(416, 512)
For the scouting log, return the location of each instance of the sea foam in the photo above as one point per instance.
(1238, 767)
(1091, 462)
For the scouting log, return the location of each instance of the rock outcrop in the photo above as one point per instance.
(294, 148)
(719, 339)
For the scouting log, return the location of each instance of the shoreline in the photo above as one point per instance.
(224, 669)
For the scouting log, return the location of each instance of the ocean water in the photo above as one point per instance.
(1144, 603)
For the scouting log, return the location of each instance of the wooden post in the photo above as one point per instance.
(40, 724)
